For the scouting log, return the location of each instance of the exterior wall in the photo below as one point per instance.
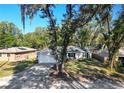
(103, 55)
(46, 59)
(25, 56)
(19, 56)
(4, 57)
(98, 57)
(101, 58)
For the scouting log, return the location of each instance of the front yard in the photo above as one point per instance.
(83, 74)
(9, 68)
(78, 69)
(92, 69)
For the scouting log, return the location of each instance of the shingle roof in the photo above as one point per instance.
(16, 50)
(74, 49)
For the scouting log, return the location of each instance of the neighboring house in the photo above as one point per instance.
(121, 55)
(103, 55)
(73, 52)
(17, 54)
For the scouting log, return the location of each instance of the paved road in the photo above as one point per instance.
(37, 77)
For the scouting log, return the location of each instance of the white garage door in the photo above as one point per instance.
(45, 57)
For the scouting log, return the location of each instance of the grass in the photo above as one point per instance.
(91, 68)
(9, 68)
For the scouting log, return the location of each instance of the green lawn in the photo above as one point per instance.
(9, 68)
(91, 68)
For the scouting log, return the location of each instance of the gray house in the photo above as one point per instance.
(103, 55)
(73, 52)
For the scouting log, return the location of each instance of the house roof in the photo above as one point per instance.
(70, 49)
(75, 49)
(45, 51)
(17, 50)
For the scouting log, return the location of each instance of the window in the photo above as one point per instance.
(17, 56)
(0, 55)
(8, 55)
(71, 54)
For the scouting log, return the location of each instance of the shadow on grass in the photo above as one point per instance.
(9, 68)
(1, 65)
(22, 65)
(93, 62)
(95, 72)
(100, 79)
(38, 77)
(35, 77)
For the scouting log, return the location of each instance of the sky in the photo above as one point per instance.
(11, 13)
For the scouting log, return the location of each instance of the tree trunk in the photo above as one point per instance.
(60, 69)
(110, 57)
(55, 67)
(112, 64)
